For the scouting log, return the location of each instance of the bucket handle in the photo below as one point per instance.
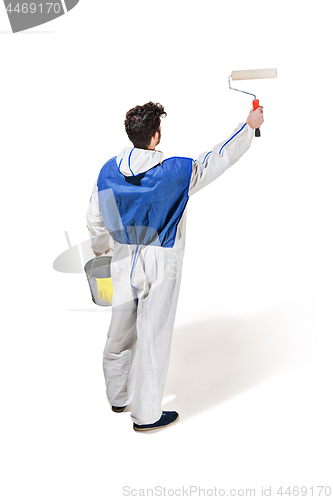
(92, 267)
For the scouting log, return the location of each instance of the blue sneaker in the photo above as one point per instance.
(167, 418)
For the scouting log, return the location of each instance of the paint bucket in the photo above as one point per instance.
(97, 269)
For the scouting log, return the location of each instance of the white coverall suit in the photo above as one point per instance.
(137, 349)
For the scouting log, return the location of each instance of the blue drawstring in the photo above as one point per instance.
(134, 288)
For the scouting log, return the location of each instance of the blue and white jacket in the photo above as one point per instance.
(140, 198)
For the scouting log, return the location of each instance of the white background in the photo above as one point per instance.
(250, 371)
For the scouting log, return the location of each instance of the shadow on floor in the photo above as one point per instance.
(216, 360)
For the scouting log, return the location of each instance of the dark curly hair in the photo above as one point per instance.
(142, 122)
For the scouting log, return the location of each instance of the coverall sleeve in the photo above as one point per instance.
(210, 165)
(100, 236)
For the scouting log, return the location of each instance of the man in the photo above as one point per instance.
(140, 200)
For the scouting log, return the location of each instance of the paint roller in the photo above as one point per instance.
(252, 74)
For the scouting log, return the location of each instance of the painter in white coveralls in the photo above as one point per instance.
(140, 200)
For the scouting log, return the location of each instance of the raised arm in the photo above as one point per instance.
(211, 164)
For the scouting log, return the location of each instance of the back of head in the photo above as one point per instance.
(142, 122)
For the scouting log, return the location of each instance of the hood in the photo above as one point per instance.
(133, 161)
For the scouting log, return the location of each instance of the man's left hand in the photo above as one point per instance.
(98, 254)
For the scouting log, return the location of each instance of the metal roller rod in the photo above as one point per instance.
(240, 90)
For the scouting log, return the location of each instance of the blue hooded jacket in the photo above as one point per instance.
(144, 208)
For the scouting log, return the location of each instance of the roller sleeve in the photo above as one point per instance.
(254, 74)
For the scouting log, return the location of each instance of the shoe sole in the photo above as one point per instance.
(118, 411)
(158, 427)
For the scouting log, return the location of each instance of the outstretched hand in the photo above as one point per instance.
(256, 117)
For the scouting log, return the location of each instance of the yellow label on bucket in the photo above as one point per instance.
(105, 289)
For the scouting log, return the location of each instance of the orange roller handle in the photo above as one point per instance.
(255, 104)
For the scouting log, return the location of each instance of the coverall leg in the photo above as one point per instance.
(137, 351)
